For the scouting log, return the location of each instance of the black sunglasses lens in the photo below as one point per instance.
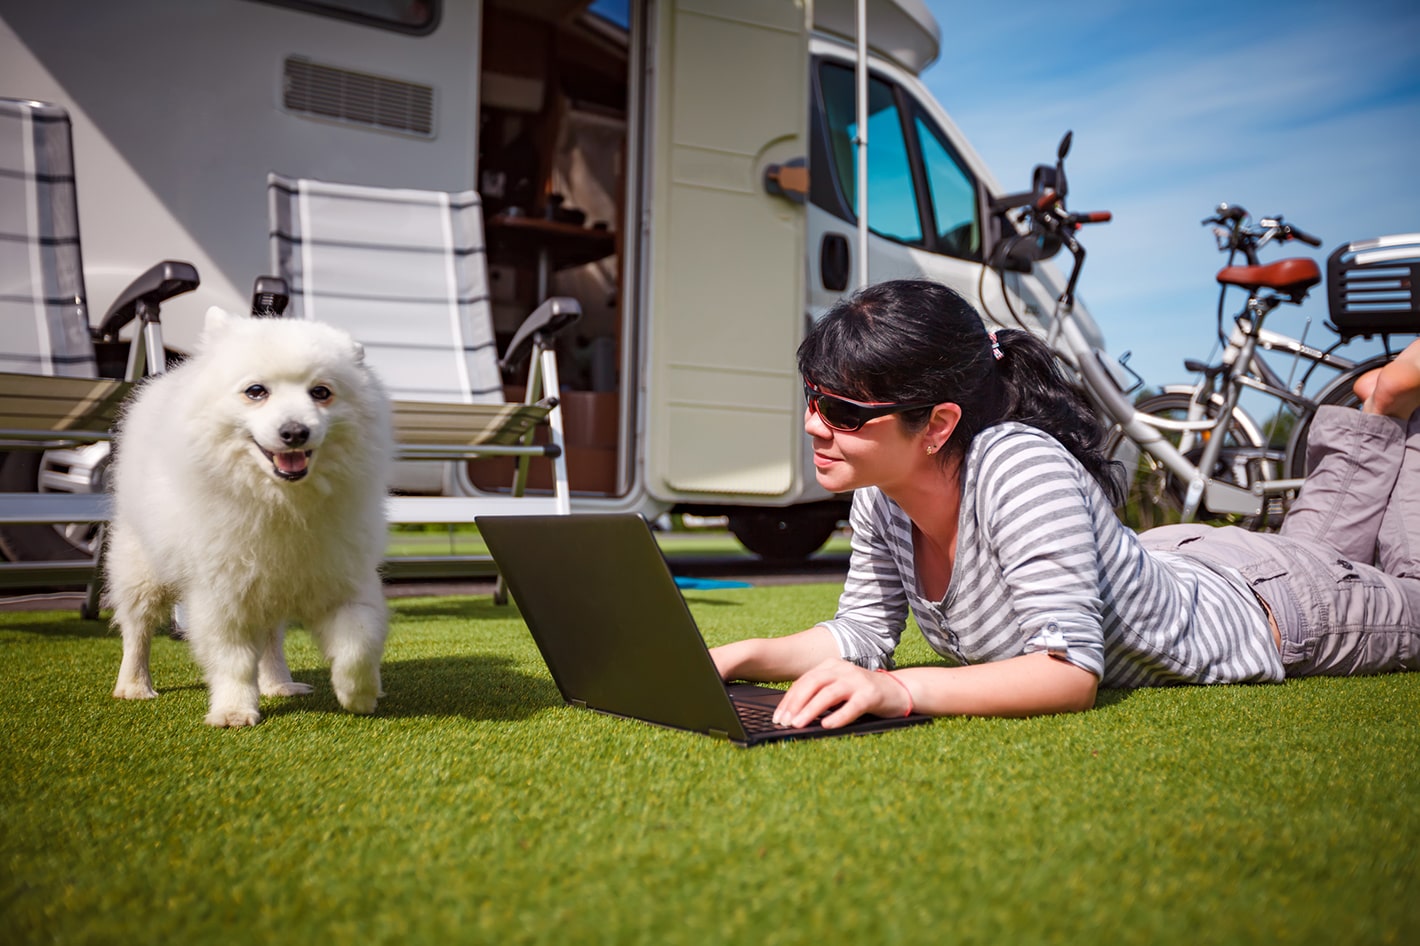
(837, 414)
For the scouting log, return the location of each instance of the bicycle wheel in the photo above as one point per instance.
(1338, 392)
(1154, 496)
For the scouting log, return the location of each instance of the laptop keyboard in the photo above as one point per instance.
(758, 718)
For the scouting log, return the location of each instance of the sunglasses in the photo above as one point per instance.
(842, 413)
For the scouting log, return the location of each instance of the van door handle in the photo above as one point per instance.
(789, 180)
(833, 262)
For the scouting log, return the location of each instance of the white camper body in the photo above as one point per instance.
(711, 139)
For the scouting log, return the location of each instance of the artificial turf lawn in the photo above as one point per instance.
(474, 807)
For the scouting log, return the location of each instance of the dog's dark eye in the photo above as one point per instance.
(320, 394)
(257, 392)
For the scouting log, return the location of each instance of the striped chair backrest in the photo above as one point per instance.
(401, 270)
(42, 303)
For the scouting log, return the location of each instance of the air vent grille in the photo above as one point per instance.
(358, 98)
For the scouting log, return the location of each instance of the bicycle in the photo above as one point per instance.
(1269, 458)
(1192, 450)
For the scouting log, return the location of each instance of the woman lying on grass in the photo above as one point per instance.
(983, 503)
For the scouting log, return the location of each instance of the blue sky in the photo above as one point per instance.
(1305, 109)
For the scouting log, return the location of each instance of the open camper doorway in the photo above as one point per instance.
(552, 174)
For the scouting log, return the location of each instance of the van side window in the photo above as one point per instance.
(953, 193)
(892, 199)
(406, 16)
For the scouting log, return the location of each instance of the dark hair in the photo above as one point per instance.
(911, 340)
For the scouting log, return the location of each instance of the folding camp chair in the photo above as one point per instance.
(404, 271)
(56, 414)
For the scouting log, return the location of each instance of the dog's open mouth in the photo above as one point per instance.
(290, 465)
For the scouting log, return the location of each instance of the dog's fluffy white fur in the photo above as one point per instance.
(249, 485)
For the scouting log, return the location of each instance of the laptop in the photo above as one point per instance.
(616, 634)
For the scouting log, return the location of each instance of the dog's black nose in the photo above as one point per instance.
(294, 434)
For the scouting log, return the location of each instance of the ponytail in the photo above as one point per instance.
(1039, 395)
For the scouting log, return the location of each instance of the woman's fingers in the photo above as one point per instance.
(836, 685)
(805, 693)
(851, 709)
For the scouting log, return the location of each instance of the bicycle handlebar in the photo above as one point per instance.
(1093, 216)
(1235, 235)
(1227, 213)
(1294, 234)
(1050, 226)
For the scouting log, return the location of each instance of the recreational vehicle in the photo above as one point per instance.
(685, 169)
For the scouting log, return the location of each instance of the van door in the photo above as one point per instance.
(729, 98)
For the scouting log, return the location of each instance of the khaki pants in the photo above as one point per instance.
(1342, 577)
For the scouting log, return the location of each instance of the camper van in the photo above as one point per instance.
(696, 156)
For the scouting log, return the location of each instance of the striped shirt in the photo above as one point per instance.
(1044, 564)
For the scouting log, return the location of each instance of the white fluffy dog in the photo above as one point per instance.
(249, 485)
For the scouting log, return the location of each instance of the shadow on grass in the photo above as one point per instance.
(700, 600)
(482, 687)
(1105, 698)
(56, 625)
(475, 607)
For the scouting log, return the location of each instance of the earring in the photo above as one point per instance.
(931, 449)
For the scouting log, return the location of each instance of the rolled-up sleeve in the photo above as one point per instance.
(872, 610)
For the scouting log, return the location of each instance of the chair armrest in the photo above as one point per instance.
(165, 280)
(547, 320)
(269, 297)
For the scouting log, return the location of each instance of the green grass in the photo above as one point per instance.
(474, 807)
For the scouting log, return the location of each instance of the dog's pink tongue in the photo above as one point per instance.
(291, 461)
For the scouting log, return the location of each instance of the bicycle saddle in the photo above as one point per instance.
(1291, 276)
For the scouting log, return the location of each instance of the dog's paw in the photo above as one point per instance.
(134, 690)
(232, 718)
(362, 702)
(288, 688)
(357, 688)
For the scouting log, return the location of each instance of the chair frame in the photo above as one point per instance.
(62, 404)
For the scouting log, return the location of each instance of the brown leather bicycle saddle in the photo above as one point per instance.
(1292, 276)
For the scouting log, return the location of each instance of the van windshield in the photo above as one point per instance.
(902, 156)
(892, 200)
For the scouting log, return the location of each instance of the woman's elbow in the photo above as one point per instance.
(1078, 688)
(1084, 699)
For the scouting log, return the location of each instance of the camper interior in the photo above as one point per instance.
(552, 175)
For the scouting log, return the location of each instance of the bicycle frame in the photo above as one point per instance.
(1148, 433)
(1145, 430)
(1245, 343)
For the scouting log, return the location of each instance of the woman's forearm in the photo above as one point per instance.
(1028, 685)
(775, 658)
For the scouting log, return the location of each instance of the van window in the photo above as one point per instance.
(892, 199)
(953, 193)
(616, 12)
(406, 16)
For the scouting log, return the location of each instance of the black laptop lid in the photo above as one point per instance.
(612, 626)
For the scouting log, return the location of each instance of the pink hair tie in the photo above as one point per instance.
(995, 346)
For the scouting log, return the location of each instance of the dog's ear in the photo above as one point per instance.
(217, 321)
(359, 352)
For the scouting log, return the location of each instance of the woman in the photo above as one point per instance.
(983, 503)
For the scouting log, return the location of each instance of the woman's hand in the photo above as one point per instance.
(838, 683)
